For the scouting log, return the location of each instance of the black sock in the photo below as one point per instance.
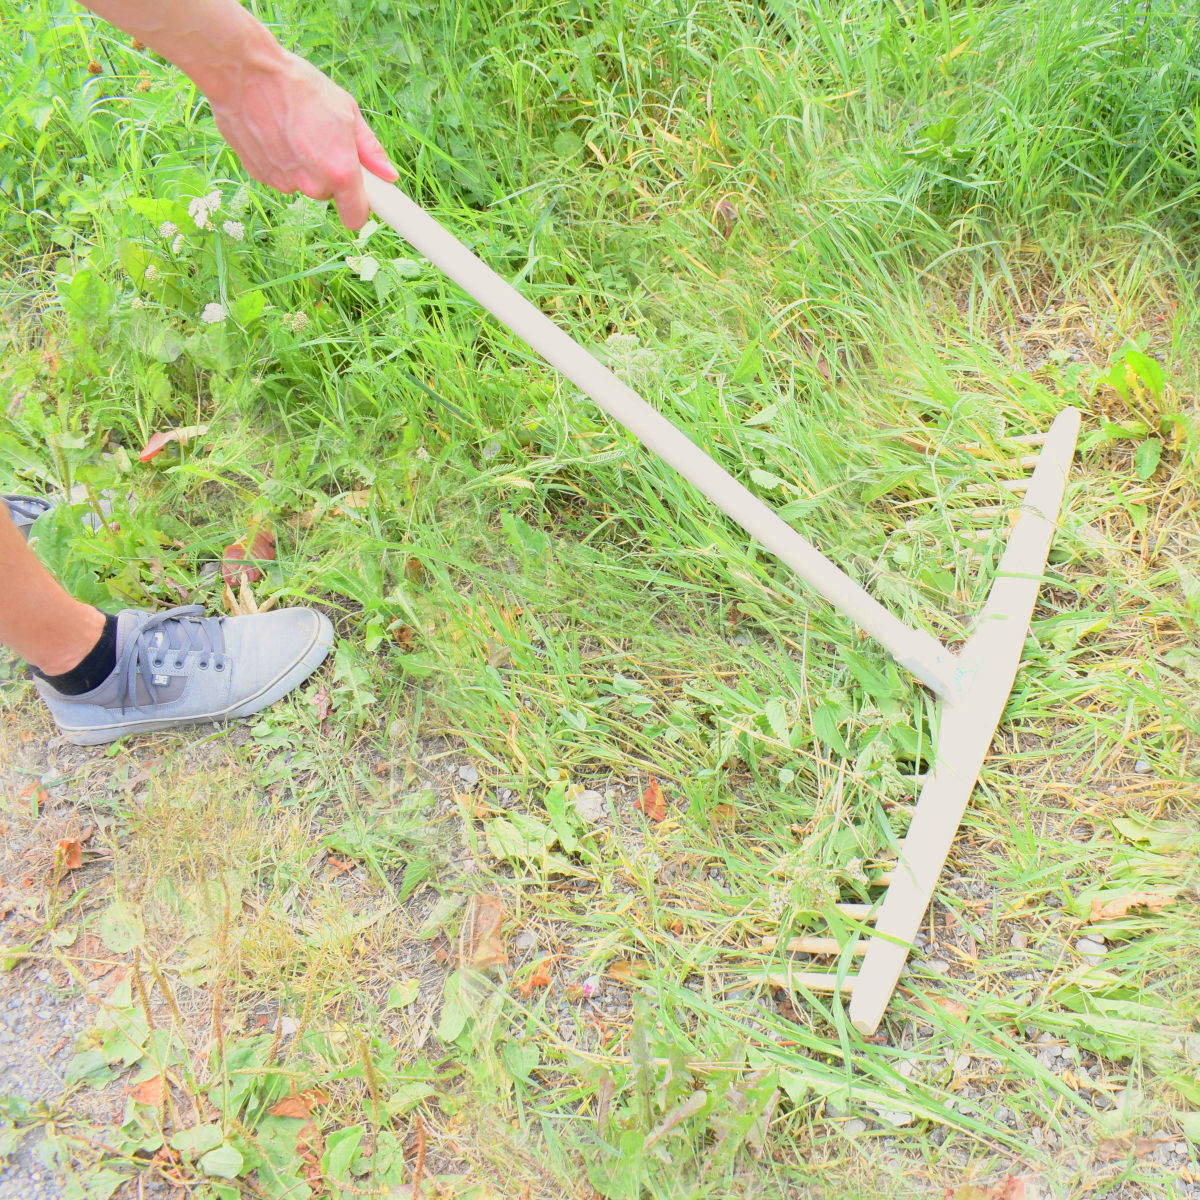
(97, 665)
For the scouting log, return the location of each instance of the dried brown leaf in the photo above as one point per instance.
(1154, 901)
(485, 946)
(651, 801)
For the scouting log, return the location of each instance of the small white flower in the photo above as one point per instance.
(151, 272)
(235, 229)
(422, 454)
(202, 208)
(137, 302)
(213, 314)
(168, 229)
(177, 244)
(296, 321)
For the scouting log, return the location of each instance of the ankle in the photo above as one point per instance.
(75, 642)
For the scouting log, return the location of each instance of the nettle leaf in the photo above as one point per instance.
(248, 307)
(87, 297)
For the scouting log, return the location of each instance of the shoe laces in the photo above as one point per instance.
(28, 507)
(177, 631)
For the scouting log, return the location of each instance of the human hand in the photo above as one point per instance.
(296, 131)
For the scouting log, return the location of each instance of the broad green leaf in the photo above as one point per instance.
(340, 1149)
(120, 927)
(248, 307)
(407, 1096)
(198, 1140)
(225, 1162)
(1146, 458)
(403, 992)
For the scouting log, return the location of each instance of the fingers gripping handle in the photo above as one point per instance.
(914, 649)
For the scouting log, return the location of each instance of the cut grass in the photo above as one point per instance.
(837, 244)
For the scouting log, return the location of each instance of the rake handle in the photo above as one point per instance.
(916, 650)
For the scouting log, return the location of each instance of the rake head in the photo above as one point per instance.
(985, 670)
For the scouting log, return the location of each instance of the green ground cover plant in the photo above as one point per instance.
(415, 931)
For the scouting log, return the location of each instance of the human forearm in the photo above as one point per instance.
(292, 127)
(216, 43)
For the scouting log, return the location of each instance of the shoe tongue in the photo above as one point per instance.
(129, 621)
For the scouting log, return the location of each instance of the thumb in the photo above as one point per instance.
(371, 153)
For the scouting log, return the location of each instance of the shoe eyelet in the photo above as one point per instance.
(218, 666)
(179, 664)
(203, 664)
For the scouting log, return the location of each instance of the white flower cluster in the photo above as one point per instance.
(213, 314)
(637, 365)
(235, 229)
(202, 208)
(239, 201)
(296, 322)
(168, 229)
(177, 244)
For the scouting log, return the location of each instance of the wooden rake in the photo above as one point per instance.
(972, 685)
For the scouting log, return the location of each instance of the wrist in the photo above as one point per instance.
(248, 52)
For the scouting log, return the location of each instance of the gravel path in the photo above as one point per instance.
(38, 1026)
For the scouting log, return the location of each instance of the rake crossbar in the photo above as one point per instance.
(973, 686)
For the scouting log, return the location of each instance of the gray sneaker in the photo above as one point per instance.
(24, 510)
(180, 668)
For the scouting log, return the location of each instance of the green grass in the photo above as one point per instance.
(837, 244)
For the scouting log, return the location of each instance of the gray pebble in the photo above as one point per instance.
(590, 806)
(937, 966)
(468, 774)
(855, 1127)
(525, 940)
(1019, 940)
(1086, 946)
(962, 1063)
(1141, 767)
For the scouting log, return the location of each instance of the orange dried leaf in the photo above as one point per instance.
(339, 866)
(651, 801)
(299, 1104)
(625, 970)
(321, 702)
(149, 1091)
(539, 979)
(237, 559)
(1154, 901)
(158, 442)
(485, 947)
(70, 850)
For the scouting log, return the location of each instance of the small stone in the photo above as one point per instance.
(1087, 946)
(468, 774)
(288, 1026)
(525, 941)
(1141, 767)
(1181, 1149)
(1019, 940)
(962, 1064)
(590, 806)
(907, 1068)
(855, 1127)
(937, 966)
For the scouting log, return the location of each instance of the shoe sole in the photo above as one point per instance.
(313, 656)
